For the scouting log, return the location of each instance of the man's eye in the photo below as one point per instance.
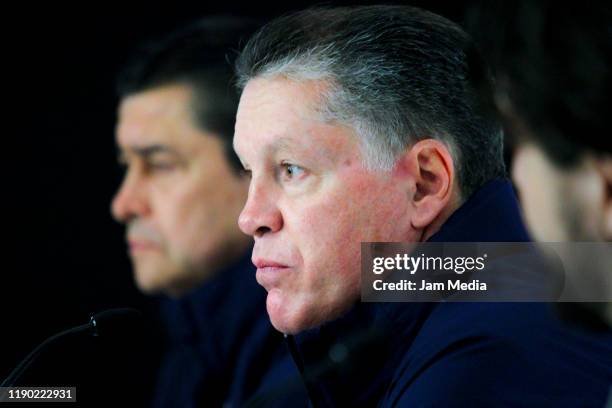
(292, 171)
(161, 166)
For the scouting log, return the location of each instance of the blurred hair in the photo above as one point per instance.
(200, 56)
(552, 64)
(396, 74)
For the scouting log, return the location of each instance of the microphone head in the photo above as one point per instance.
(124, 317)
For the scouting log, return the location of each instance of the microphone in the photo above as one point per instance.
(97, 322)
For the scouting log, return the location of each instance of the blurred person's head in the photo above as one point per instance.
(183, 189)
(553, 71)
(355, 124)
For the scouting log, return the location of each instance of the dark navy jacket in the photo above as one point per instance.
(222, 348)
(457, 354)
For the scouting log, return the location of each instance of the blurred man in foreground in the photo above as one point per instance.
(554, 80)
(180, 199)
(367, 124)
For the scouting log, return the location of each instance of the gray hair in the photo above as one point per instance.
(396, 75)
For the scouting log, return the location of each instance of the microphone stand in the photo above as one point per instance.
(91, 326)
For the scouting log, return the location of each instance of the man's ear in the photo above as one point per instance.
(604, 167)
(430, 167)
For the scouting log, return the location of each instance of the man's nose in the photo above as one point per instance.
(130, 201)
(260, 214)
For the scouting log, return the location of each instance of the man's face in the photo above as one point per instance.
(569, 204)
(311, 202)
(559, 204)
(179, 198)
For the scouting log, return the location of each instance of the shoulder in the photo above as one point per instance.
(488, 354)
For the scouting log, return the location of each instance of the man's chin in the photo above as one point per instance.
(153, 280)
(147, 285)
(280, 317)
(288, 315)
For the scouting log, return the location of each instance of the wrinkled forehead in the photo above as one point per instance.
(278, 100)
(280, 113)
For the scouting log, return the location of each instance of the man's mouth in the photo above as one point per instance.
(140, 245)
(269, 272)
(261, 263)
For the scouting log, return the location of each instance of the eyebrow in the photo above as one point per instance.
(282, 143)
(146, 152)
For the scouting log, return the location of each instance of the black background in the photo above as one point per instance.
(66, 256)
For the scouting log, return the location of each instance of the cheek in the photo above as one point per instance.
(373, 211)
(584, 196)
(528, 172)
(324, 241)
(337, 251)
(184, 217)
(329, 233)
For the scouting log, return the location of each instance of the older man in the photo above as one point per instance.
(180, 198)
(366, 124)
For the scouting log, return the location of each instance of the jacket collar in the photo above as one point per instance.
(491, 214)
